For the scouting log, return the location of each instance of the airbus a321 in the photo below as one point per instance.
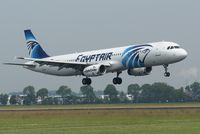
(138, 60)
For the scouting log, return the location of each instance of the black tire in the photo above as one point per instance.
(115, 81)
(119, 81)
(167, 74)
(84, 81)
(89, 81)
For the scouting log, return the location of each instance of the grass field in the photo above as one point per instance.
(179, 121)
(85, 106)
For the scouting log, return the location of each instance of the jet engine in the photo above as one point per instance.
(140, 71)
(94, 70)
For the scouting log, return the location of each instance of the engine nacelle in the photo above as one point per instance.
(140, 71)
(94, 70)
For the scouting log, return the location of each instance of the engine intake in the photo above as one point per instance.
(94, 70)
(140, 71)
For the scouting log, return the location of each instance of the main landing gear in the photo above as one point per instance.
(117, 80)
(166, 74)
(86, 81)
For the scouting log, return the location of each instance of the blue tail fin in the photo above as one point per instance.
(34, 48)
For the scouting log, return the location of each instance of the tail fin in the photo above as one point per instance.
(34, 48)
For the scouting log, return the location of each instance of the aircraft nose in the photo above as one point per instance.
(183, 54)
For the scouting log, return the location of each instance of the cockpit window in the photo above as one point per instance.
(176, 47)
(172, 47)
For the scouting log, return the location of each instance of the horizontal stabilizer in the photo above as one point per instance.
(25, 58)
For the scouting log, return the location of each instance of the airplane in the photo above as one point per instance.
(138, 60)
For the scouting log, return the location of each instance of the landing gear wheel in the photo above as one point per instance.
(117, 80)
(89, 81)
(167, 74)
(86, 81)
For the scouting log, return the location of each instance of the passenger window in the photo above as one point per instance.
(168, 47)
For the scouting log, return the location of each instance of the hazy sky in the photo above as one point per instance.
(65, 26)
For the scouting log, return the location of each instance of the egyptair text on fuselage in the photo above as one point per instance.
(94, 57)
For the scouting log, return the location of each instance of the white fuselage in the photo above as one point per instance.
(118, 59)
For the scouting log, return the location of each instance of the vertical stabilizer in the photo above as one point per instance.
(34, 48)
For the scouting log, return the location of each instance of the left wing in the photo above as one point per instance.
(61, 64)
(20, 64)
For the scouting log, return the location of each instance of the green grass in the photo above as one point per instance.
(101, 121)
(144, 105)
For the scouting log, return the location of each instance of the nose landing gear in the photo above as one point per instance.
(166, 74)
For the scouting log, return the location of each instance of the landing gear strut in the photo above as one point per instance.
(86, 81)
(166, 74)
(117, 80)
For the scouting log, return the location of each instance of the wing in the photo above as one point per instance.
(19, 64)
(61, 64)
